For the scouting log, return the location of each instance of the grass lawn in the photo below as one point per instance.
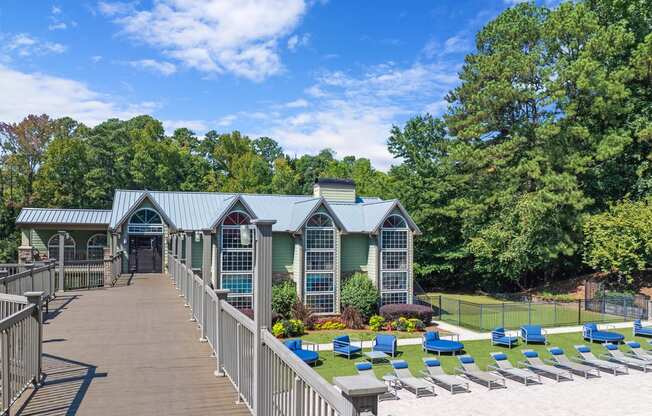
(331, 366)
(326, 337)
(467, 297)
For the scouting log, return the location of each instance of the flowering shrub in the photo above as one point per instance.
(288, 328)
(407, 325)
(329, 324)
(376, 323)
(409, 311)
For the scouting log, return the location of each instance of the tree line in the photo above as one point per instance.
(539, 169)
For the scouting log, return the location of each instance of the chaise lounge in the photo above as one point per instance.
(534, 363)
(592, 333)
(470, 370)
(309, 357)
(499, 336)
(436, 374)
(416, 385)
(504, 367)
(433, 343)
(637, 351)
(587, 357)
(560, 359)
(616, 355)
(533, 334)
(640, 330)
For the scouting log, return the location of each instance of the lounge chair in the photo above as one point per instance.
(640, 330)
(500, 337)
(587, 357)
(308, 356)
(470, 370)
(364, 368)
(385, 343)
(416, 385)
(436, 375)
(534, 334)
(592, 333)
(535, 363)
(614, 354)
(343, 345)
(433, 343)
(637, 351)
(560, 359)
(504, 367)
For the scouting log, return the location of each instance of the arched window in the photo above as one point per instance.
(319, 282)
(394, 268)
(95, 247)
(68, 248)
(237, 260)
(145, 221)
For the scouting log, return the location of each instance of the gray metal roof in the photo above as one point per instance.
(64, 216)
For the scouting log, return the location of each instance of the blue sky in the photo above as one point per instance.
(309, 73)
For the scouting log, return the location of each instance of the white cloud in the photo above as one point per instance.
(300, 103)
(55, 10)
(116, 7)
(197, 126)
(163, 68)
(296, 41)
(217, 36)
(57, 26)
(459, 43)
(226, 120)
(24, 45)
(96, 58)
(37, 93)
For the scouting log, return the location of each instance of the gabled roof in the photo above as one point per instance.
(63, 216)
(301, 216)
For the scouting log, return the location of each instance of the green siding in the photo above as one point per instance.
(355, 252)
(40, 237)
(282, 252)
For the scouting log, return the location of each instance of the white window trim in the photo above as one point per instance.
(320, 250)
(89, 246)
(234, 250)
(145, 229)
(405, 250)
(73, 245)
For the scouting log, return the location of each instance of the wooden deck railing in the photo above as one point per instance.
(21, 338)
(29, 278)
(290, 387)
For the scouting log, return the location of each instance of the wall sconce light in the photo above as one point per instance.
(197, 237)
(245, 235)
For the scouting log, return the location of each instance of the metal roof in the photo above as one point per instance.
(64, 216)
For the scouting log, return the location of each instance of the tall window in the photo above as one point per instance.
(95, 247)
(394, 260)
(237, 265)
(145, 221)
(68, 248)
(320, 264)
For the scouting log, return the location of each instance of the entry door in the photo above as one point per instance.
(145, 254)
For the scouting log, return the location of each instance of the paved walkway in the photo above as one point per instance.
(128, 350)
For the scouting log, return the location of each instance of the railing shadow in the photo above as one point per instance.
(57, 305)
(65, 384)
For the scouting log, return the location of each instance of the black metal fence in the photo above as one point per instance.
(512, 315)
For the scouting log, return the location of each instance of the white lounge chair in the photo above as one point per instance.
(535, 363)
(470, 370)
(504, 367)
(560, 359)
(614, 354)
(587, 357)
(436, 375)
(416, 385)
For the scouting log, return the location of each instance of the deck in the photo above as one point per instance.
(128, 350)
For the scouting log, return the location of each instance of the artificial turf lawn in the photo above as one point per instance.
(331, 366)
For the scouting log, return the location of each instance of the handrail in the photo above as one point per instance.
(11, 320)
(238, 316)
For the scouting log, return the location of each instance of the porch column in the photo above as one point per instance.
(62, 240)
(221, 295)
(180, 258)
(262, 310)
(173, 244)
(206, 266)
(114, 243)
(361, 392)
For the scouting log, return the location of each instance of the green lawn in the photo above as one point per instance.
(326, 337)
(467, 297)
(331, 366)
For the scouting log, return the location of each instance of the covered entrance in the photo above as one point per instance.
(145, 242)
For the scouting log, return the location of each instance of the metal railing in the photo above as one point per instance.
(21, 340)
(29, 278)
(82, 274)
(290, 387)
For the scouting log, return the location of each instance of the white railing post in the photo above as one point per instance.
(361, 392)
(6, 375)
(36, 298)
(221, 295)
(206, 265)
(62, 240)
(189, 280)
(173, 256)
(262, 311)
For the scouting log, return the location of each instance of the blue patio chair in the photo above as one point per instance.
(309, 357)
(342, 345)
(534, 334)
(385, 343)
(640, 330)
(499, 337)
(592, 333)
(433, 343)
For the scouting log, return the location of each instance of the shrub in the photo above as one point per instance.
(288, 328)
(407, 325)
(304, 314)
(359, 292)
(556, 297)
(333, 323)
(396, 311)
(352, 318)
(376, 323)
(284, 295)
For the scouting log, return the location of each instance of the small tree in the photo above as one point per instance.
(284, 295)
(359, 292)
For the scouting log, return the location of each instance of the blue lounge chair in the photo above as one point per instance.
(433, 343)
(385, 343)
(533, 334)
(307, 356)
(640, 330)
(592, 333)
(499, 337)
(342, 345)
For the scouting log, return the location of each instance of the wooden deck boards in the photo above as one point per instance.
(128, 350)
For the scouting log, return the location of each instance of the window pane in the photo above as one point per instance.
(320, 303)
(394, 260)
(316, 239)
(317, 261)
(394, 281)
(241, 302)
(95, 253)
(319, 282)
(236, 261)
(393, 297)
(238, 283)
(231, 238)
(396, 239)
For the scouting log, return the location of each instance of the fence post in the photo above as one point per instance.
(221, 295)
(362, 392)
(4, 356)
(37, 299)
(62, 242)
(191, 289)
(529, 311)
(440, 313)
(298, 397)
(503, 315)
(481, 321)
(649, 310)
(624, 308)
(579, 312)
(459, 312)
